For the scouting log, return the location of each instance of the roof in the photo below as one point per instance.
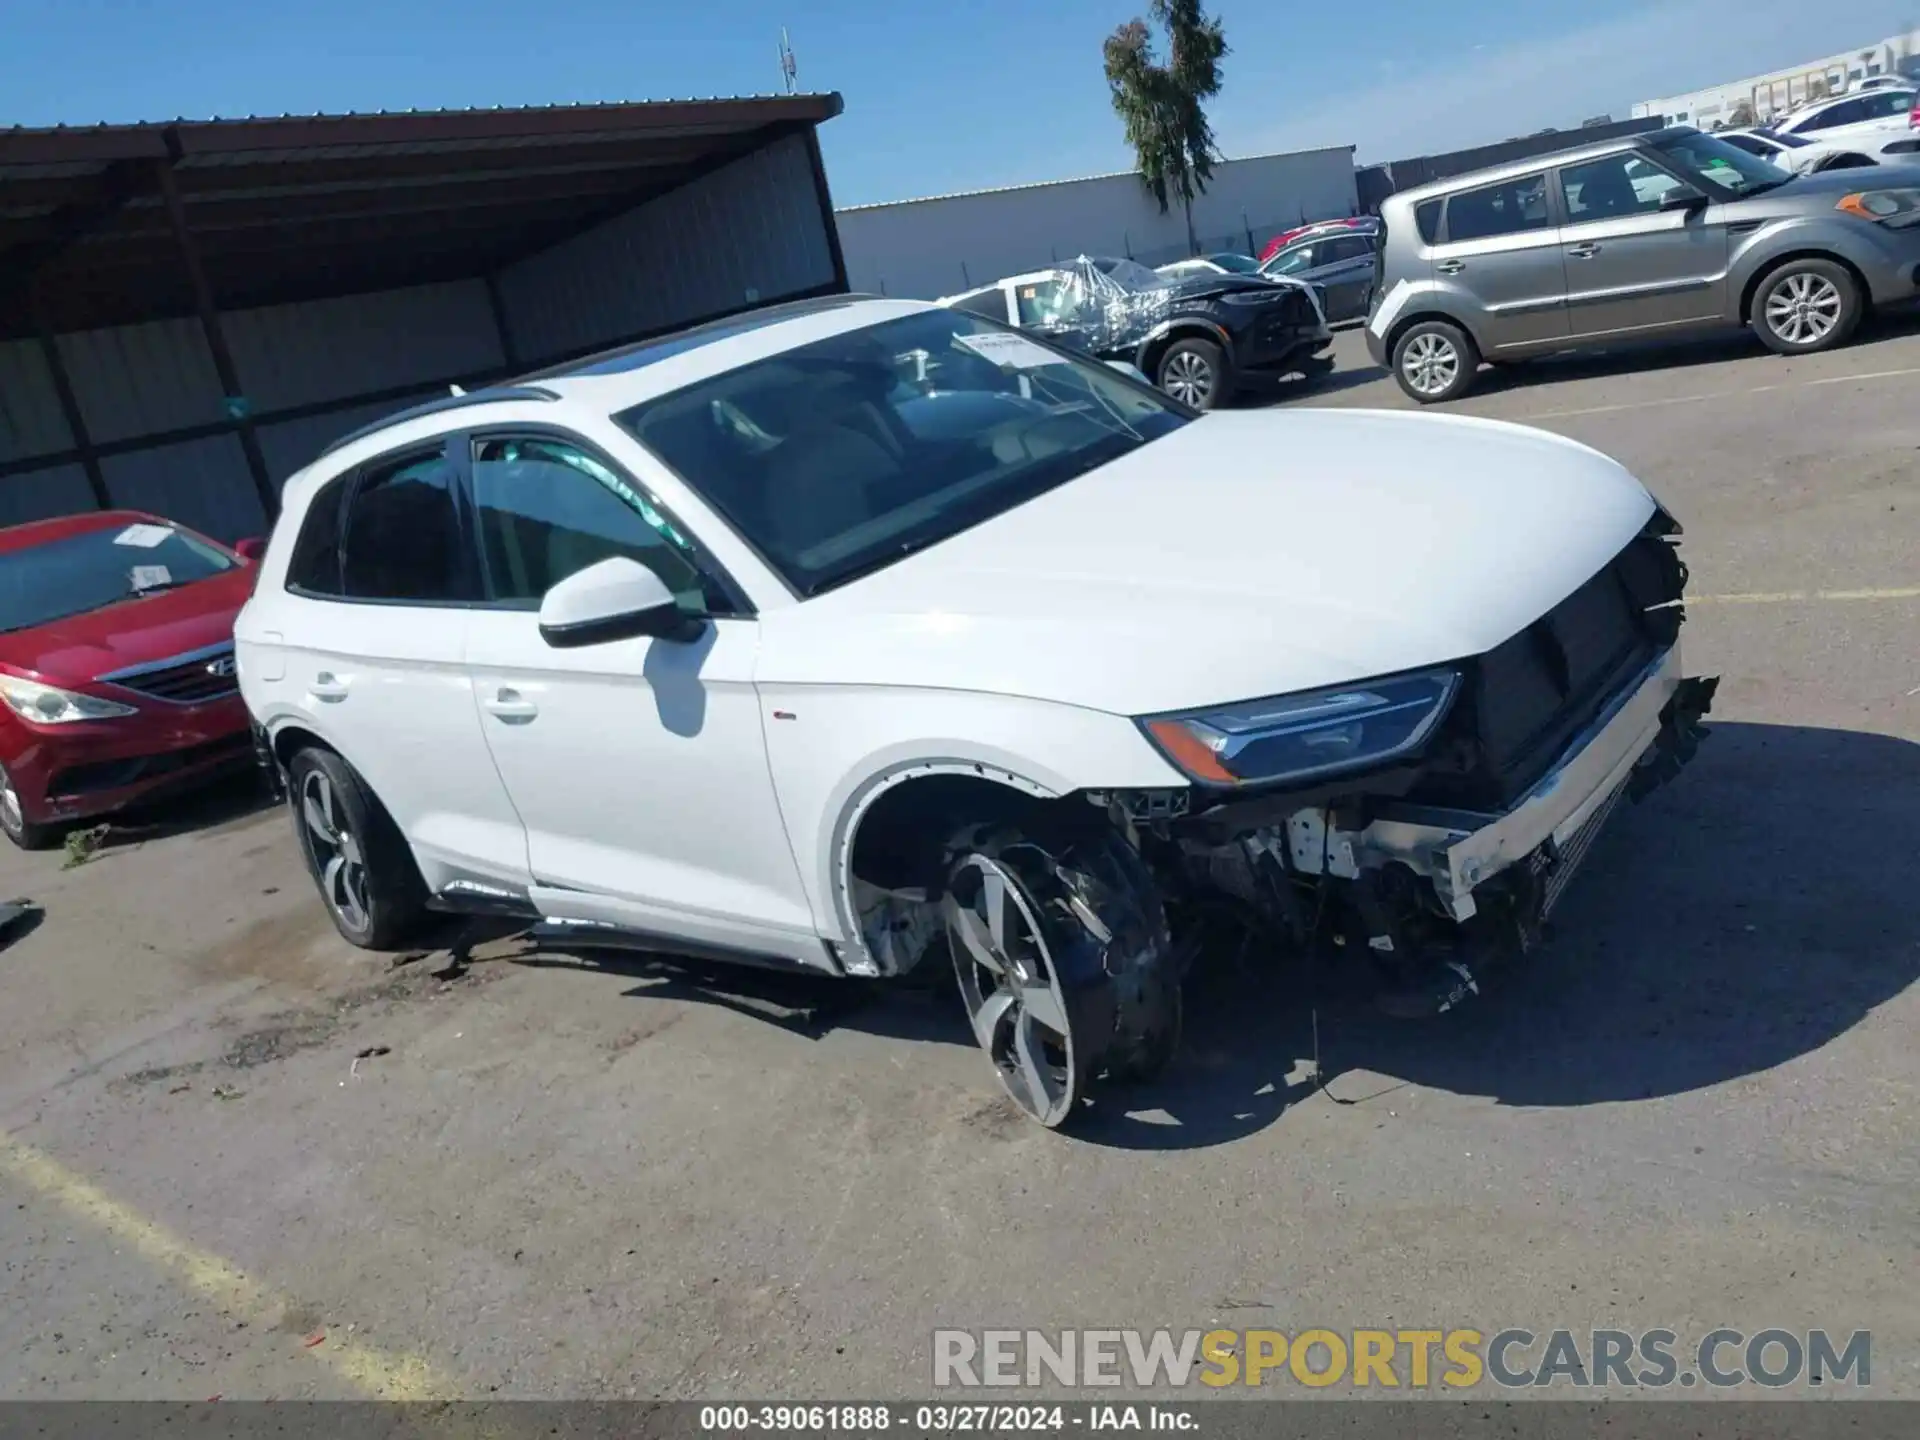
(630, 375)
(285, 208)
(1073, 180)
(1527, 164)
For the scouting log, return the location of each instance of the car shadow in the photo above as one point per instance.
(223, 800)
(1748, 914)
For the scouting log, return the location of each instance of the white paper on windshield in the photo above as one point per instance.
(145, 577)
(143, 536)
(1014, 350)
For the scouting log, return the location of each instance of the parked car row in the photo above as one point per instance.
(1653, 235)
(116, 666)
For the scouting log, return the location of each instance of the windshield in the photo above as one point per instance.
(1238, 264)
(838, 458)
(1720, 165)
(79, 573)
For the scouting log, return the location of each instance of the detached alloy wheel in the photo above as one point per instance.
(1194, 372)
(358, 858)
(1806, 306)
(1435, 361)
(1064, 963)
(13, 818)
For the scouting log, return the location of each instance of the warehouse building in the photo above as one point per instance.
(924, 249)
(190, 312)
(1772, 95)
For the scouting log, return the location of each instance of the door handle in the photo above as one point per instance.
(327, 687)
(510, 706)
(1583, 252)
(1451, 267)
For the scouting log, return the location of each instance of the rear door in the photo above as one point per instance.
(1499, 260)
(1343, 269)
(1632, 266)
(378, 595)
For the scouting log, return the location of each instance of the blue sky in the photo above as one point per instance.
(941, 94)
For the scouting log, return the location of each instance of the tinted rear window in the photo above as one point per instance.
(1426, 216)
(1506, 208)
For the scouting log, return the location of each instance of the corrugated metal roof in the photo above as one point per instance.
(1069, 180)
(289, 207)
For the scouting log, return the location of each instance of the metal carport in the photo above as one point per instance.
(190, 311)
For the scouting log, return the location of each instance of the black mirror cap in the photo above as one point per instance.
(1686, 198)
(662, 622)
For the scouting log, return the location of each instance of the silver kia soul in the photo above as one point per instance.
(1662, 233)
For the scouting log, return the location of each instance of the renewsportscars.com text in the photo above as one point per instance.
(1400, 1359)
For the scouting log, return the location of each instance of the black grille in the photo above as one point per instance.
(79, 780)
(1526, 699)
(191, 682)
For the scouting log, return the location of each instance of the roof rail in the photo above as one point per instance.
(437, 406)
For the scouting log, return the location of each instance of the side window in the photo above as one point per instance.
(1292, 262)
(1508, 208)
(547, 509)
(1347, 247)
(314, 568)
(1848, 112)
(1883, 104)
(403, 538)
(1616, 185)
(1426, 219)
(1044, 304)
(991, 302)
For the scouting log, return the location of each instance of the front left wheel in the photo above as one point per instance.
(1064, 961)
(1195, 372)
(1806, 306)
(13, 818)
(355, 853)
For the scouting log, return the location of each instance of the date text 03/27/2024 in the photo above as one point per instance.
(942, 1419)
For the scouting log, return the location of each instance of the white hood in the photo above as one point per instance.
(1245, 555)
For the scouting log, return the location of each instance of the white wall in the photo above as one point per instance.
(928, 248)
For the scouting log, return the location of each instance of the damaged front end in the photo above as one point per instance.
(1450, 858)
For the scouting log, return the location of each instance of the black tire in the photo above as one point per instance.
(20, 830)
(1423, 349)
(1104, 950)
(1196, 372)
(388, 905)
(1817, 301)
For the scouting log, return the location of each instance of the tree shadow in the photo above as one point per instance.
(1748, 914)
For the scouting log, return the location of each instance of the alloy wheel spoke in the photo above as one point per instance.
(988, 1018)
(974, 936)
(331, 880)
(318, 822)
(1043, 1006)
(1043, 1092)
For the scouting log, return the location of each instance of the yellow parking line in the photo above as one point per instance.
(374, 1372)
(1782, 597)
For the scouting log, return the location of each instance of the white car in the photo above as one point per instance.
(1849, 120)
(1798, 156)
(853, 632)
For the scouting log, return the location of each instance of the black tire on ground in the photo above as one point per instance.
(1435, 361)
(1077, 981)
(358, 858)
(1196, 372)
(1807, 306)
(20, 830)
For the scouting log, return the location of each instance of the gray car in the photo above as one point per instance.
(1664, 233)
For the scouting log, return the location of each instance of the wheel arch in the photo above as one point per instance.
(1187, 327)
(1420, 317)
(1765, 269)
(910, 807)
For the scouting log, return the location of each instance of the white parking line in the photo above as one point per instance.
(1718, 395)
(1783, 597)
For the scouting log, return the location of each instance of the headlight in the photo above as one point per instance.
(1896, 209)
(1252, 297)
(44, 705)
(1303, 736)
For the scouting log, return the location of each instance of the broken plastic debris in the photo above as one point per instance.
(313, 1340)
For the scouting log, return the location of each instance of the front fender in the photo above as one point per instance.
(1169, 330)
(1859, 244)
(845, 747)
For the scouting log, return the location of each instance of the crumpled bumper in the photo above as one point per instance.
(1639, 741)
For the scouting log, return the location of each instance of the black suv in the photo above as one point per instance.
(1196, 337)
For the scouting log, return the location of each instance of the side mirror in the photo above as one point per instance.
(250, 549)
(616, 599)
(1684, 198)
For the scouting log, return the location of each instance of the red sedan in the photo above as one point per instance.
(116, 665)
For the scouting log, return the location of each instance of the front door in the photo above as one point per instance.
(1632, 266)
(638, 766)
(1500, 256)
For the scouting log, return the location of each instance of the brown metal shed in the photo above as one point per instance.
(190, 311)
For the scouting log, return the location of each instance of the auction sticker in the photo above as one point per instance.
(1013, 350)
